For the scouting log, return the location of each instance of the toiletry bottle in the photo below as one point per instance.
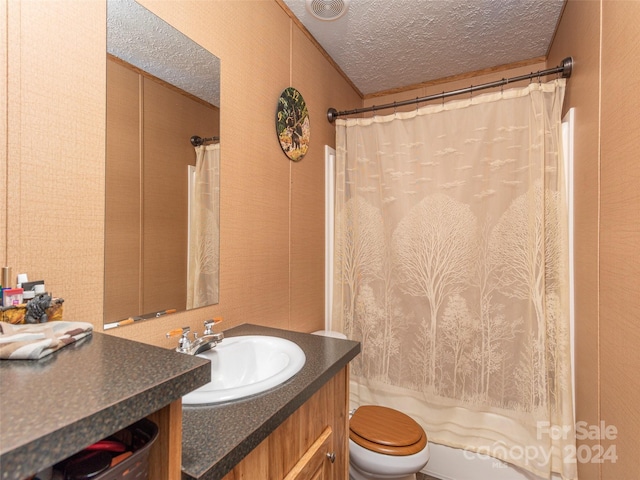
(6, 281)
(6, 277)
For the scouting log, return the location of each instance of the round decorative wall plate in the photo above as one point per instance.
(292, 124)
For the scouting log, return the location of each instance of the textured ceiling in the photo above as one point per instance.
(379, 44)
(137, 36)
(387, 44)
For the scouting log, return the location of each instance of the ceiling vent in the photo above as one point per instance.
(327, 9)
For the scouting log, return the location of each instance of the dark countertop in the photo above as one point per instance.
(54, 407)
(215, 438)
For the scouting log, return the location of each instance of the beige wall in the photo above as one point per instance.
(603, 38)
(272, 220)
(620, 234)
(272, 239)
(55, 154)
(4, 78)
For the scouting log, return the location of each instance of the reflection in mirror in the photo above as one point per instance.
(162, 193)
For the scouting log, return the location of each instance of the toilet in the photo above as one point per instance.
(384, 443)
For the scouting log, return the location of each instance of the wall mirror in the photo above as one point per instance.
(162, 190)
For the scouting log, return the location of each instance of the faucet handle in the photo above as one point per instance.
(208, 325)
(184, 331)
(183, 344)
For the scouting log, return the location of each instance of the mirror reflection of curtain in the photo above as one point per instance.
(202, 284)
(451, 270)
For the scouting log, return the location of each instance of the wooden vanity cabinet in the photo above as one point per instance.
(166, 452)
(311, 444)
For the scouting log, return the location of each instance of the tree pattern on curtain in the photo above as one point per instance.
(450, 257)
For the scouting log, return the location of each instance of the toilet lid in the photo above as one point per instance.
(385, 430)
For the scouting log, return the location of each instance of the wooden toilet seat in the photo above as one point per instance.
(387, 431)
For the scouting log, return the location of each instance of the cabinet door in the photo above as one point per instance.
(311, 444)
(315, 464)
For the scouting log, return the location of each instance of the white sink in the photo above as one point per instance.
(247, 365)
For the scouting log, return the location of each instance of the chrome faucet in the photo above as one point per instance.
(207, 341)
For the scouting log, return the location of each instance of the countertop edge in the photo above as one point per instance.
(26, 457)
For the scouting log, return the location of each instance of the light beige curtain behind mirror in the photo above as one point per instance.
(204, 250)
(451, 270)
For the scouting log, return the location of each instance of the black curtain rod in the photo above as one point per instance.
(196, 141)
(564, 68)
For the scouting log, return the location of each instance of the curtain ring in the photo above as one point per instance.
(442, 96)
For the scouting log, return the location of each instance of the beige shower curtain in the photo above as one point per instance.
(451, 270)
(204, 250)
